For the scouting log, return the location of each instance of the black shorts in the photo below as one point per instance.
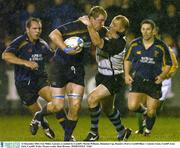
(28, 90)
(61, 74)
(112, 83)
(148, 87)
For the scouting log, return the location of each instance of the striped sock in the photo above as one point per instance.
(95, 114)
(114, 117)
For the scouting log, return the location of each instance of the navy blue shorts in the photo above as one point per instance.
(148, 87)
(28, 90)
(61, 74)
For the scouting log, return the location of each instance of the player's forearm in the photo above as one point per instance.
(165, 71)
(11, 58)
(57, 39)
(127, 67)
(96, 39)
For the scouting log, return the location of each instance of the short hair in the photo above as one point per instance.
(149, 21)
(96, 11)
(124, 20)
(32, 19)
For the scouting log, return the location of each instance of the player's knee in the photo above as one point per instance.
(92, 99)
(75, 108)
(55, 107)
(151, 112)
(132, 106)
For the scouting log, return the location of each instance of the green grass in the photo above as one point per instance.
(16, 128)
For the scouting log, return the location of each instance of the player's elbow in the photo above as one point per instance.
(53, 35)
(4, 56)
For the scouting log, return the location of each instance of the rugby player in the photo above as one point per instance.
(143, 72)
(166, 87)
(67, 70)
(28, 53)
(109, 79)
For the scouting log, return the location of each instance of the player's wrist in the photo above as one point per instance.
(126, 75)
(67, 49)
(162, 76)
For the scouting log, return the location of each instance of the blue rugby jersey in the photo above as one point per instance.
(148, 63)
(75, 28)
(24, 49)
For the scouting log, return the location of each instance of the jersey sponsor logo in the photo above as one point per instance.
(29, 50)
(147, 60)
(36, 57)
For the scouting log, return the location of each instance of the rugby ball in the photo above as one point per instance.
(74, 41)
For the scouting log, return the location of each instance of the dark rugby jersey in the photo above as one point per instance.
(75, 28)
(24, 49)
(148, 63)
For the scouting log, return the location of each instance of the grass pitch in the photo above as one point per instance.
(16, 128)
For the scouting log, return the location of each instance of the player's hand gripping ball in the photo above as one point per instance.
(74, 45)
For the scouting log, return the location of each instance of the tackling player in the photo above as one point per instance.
(109, 79)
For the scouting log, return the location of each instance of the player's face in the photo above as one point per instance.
(147, 31)
(116, 26)
(98, 22)
(34, 31)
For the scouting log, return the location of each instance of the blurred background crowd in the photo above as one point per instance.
(14, 13)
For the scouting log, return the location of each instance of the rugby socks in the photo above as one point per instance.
(114, 117)
(40, 114)
(95, 114)
(40, 117)
(61, 117)
(150, 122)
(44, 111)
(69, 128)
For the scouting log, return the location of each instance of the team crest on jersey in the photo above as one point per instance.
(156, 53)
(43, 46)
(138, 52)
(29, 50)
